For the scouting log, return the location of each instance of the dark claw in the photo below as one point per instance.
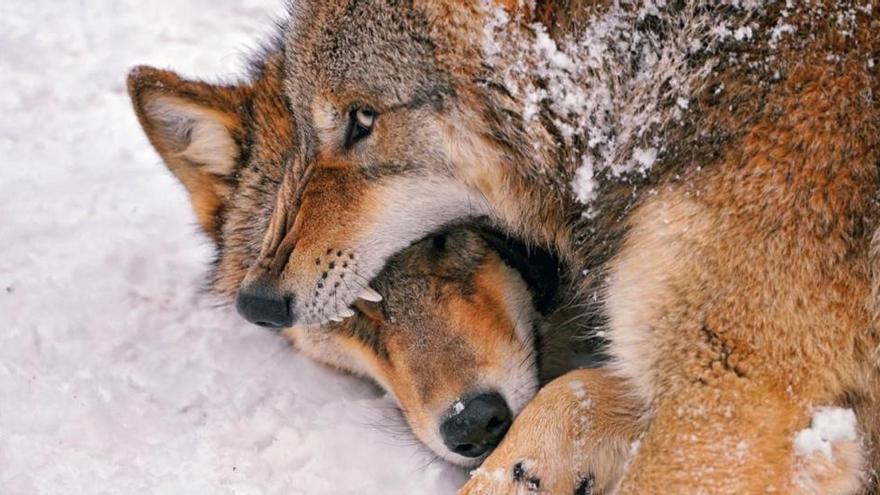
(586, 486)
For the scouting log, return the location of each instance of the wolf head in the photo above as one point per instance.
(394, 139)
(451, 340)
(445, 325)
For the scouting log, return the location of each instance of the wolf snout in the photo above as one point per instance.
(476, 425)
(265, 306)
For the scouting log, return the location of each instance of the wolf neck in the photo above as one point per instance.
(595, 100)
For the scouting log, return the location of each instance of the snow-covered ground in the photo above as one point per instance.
(117, 374)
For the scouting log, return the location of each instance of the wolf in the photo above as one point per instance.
(453, 325)
(706, 172)
(453, 340)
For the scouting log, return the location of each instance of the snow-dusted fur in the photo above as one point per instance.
(676, 119)
(610, 89)
(829, 447)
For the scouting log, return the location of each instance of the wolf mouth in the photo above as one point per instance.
(540, 268)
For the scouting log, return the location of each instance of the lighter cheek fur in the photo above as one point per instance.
(514, 374)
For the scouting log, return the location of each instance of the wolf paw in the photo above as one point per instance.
(573, 438)
(526, 480)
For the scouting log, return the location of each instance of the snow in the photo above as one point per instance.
(584, 182)
(829, 425)
(781, 29)
(584, 401)
(645, 158)
(743, 33)
(118, 374)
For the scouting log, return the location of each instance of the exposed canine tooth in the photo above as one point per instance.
(368, 294)
(336, 319)
(346, 313)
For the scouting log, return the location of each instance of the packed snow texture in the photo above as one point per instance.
(830, 425)
(118, 374)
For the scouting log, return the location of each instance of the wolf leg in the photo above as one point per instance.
(737, 437)
(574, 437)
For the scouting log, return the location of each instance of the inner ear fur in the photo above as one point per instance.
(197, 129)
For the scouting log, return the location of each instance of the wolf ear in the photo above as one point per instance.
(197, 130)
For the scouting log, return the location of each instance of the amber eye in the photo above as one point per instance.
(360, 125)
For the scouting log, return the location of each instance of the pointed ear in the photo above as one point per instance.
(197, 129)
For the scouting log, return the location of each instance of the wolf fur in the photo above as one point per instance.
(723, 217)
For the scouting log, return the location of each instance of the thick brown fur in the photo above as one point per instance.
(777, 336)
(736, 279)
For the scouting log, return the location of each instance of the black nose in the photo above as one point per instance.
(476, 425)
(262, 305)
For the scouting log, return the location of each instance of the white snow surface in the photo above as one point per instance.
(118, 374)
(829, 425)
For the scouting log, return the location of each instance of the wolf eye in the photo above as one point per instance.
(360, 125)
(440, 242)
